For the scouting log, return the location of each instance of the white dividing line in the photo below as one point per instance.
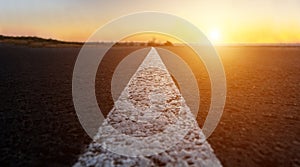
(149, 125)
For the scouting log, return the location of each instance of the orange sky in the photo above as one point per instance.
(223, 21)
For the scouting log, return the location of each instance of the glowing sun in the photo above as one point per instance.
(215, 35)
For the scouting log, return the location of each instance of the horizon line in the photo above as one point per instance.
(176, 43)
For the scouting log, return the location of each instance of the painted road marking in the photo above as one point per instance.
(151, 123)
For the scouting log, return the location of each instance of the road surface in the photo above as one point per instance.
(149, 125)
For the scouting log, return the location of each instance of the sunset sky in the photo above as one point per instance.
(223, 21)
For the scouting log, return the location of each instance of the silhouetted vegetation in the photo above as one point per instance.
(42, 42)
(149, 43)
(168, 43)
(37, 41)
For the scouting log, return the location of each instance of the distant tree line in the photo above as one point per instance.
(149, 43)
(33, 39)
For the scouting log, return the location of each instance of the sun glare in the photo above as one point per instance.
(215, 35)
